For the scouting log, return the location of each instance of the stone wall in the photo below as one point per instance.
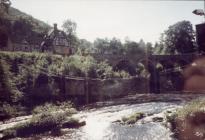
(105, 89)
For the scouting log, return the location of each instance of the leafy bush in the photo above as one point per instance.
(82, 66)
(7, 111)
(48, 107)
(122, 74)
(37, 124)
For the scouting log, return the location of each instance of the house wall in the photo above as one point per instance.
(62, 50)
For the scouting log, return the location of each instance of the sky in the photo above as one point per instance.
(122, 19)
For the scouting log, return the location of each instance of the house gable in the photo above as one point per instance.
(56, 42)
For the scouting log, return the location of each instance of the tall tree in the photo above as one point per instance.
(115, 46)
(158, 48)
(101, 45)
(149, 48)
(5, 5)
(69, 27)
(84, 46)
(134, 48)
(179, 38)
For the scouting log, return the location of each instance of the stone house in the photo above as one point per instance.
(56, 42)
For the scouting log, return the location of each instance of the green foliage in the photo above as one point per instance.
(122, 74)
(179, 38)
(27, 78)
(101, 45)
(82, 66)
(38, 124)
(84, 47)
(7, 111)
(78, 65)
(47, 117)
(8, 87)
(16, 15)
(104, 70)
(49, 107)
(19, 75)
(191, 108)
(69, 27)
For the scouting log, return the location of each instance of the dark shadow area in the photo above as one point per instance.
(126, 66)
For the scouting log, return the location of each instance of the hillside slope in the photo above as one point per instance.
(15, 15)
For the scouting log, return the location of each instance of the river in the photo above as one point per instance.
(101, 121)
(100, 126)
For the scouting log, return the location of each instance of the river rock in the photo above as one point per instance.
(158, 119)
(73, 124)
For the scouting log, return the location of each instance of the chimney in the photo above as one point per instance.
(55, 27)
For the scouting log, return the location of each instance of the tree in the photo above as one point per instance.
(5, 5)
(133, 48)
(179, 38)
(69, 27)
(4, 37)
(115, 46)
(149, 48)
(101, 45)
(84, 46)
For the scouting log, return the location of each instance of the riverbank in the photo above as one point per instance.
(188, 123)
(48, 118)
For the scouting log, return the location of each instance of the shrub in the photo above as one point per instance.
(7, 111)
(122, 74)
(60, 107)
(38, 124)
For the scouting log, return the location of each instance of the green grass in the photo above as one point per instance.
(193, 107)
(188, 120)
(49, 107)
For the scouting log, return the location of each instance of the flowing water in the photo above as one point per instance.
(100, 123)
